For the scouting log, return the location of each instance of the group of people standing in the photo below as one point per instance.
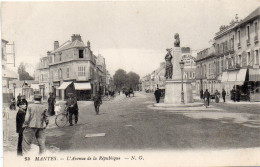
(206, 95)
(31, 122)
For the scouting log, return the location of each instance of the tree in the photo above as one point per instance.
(120, 78)
(23, 74)
(132, 80)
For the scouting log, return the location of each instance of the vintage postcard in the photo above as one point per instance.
(120, 83)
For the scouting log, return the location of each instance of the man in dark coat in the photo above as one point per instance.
(20, 116)
(233, 94)
(97, 102)
(224, 95)
(72, 108)
(51, 103)
(207, 95)
(157, 95)
(201, 94)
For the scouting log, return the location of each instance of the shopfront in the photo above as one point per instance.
(254, 84)
(83, 90)
(237, 79)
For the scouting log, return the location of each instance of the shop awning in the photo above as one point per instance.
(64, 85)
(224, 77)
(241, 75)
(35, 86)
(232, 76)
(82, 86)
(254, 75)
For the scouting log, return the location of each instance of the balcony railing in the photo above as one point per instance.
(256, 38)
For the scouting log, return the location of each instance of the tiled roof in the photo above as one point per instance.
(69, 44)
(252, 15)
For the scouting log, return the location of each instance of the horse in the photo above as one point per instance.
(129, 92)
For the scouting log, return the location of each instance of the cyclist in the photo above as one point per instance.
(206, 96)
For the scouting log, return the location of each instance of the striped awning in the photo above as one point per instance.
(254, 75)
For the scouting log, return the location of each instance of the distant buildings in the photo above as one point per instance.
(156, 78)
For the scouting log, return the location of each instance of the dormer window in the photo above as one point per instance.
(81, 54)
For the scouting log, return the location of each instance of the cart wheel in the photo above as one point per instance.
(61, 120)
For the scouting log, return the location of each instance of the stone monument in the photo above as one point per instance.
(173, 86)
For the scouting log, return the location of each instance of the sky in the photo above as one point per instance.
(130, 35)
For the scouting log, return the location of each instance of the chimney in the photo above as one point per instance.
(88, 44)
(56, 45)
(75, 37)
(48, 53)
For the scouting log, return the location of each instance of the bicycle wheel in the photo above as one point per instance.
(61, 120)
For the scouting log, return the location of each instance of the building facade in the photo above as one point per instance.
(72, 62)
(7, 76)
(233, 60)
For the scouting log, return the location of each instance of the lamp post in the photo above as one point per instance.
(14, 85)
(182, 93)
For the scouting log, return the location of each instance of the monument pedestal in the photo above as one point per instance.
(173, 87)
(173, 92)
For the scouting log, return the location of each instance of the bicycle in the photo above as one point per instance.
(62, 119)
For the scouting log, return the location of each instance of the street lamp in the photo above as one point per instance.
(182, 93)
(14, 85)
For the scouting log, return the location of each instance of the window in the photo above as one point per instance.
(256, 57)
(81, 71)
(60, 73)
(240, 60)
(248, 32)
(222, 65)
(81, 54)
(68, 72)
(248, 58)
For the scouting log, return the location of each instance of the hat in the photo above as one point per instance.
(37, 96)
(21, 103)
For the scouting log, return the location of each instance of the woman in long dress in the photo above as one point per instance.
(168, 66)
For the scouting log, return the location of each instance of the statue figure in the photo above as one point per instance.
(177, 40)
(168, 64)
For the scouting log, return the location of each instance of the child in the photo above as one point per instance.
(57, 108)
(20, 116)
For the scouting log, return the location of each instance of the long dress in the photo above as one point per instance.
(168, 66)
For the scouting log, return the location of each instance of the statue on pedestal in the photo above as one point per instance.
(168, 64)
(177, 40)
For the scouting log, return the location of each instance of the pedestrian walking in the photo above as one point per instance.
(13, 104)
(157, 95)
(201, 94)
(51, 103)
(20, 117)
(224, 95)
(97, 102)
(206, 95)
(19, 97)
(72, 108)
(35, 123)
(233, 94)
(217, 94)
(238, 94)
